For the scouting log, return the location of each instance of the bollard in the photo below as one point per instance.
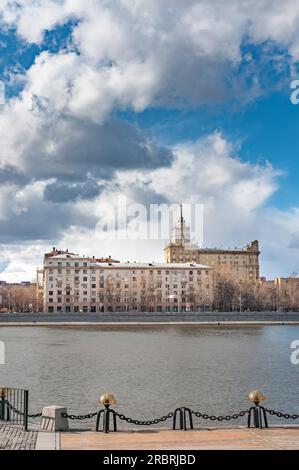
(257, 412)
(107, 399)
(52, 419)
(183, 413)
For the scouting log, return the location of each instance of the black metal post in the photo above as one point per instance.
(258, 413)
(106, 419)
(25, 417)
(183, 413)
(2, 407)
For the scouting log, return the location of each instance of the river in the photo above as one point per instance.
(151, 370)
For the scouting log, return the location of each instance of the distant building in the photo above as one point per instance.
(72, 283)
(287, 293)
(241, 263)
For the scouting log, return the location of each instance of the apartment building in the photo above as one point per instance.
(241, 263)
(72, 283)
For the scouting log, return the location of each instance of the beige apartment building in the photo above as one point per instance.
(73, 283)
(241, 263)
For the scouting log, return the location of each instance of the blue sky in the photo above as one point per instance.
(266, 130)
(104, 98)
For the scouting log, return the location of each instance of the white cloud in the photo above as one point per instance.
(133, 54)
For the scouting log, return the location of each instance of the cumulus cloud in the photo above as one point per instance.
(64, 150)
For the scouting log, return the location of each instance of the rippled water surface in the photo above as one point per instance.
(151, 370)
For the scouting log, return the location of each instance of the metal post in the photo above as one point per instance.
(25, 418)
(106, 419)
(2, 407)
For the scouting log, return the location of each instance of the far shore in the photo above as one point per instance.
(115, 324)
(150, 319)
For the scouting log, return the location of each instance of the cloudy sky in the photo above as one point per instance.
(159, 101)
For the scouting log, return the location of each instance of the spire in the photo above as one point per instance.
(182, 223)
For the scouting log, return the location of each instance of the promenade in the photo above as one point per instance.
(275, 438)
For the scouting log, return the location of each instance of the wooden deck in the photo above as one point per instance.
(204, 439)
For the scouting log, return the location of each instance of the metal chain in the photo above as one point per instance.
(79, 417)
(279, 414)
(220, 418)
(18, 412)
(137, 422)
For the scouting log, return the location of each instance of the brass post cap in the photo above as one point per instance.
(256, 396)
(4, 391)
(107, 399)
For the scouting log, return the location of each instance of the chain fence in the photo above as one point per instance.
(220, 418)
(20, 413)
(171, 415)
(279, 414)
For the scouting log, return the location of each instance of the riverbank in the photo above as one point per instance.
(151, 319)
(149, 324)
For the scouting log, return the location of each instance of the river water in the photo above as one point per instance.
(151, 370)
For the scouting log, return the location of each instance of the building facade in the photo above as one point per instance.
(241, 263)
(287, 293)
(72, 283)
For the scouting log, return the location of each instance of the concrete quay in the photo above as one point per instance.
(146, 318)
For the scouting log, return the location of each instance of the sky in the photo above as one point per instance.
(173, 101)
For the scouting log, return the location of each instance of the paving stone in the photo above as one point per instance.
(13, 437)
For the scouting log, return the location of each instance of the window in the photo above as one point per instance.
(76, 264)
(93, 286)
(59, 300)
(50, 292)
(51, 300)
(85, 292)
(101, 285)
(84, 278)
(50, 309)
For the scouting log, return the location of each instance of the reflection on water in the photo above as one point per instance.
(152, 369)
